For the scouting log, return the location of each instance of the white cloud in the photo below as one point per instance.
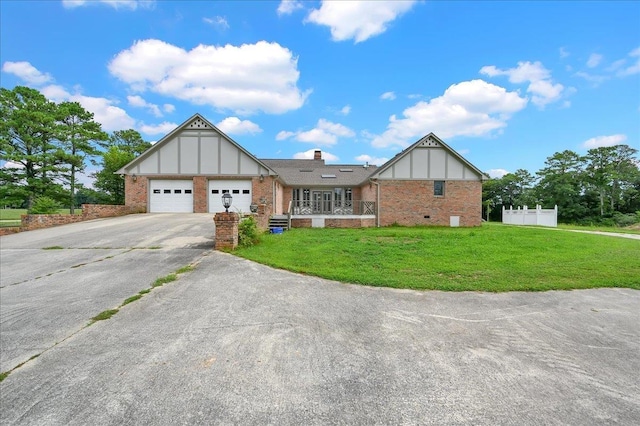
(137, 101)
(414, 96)
(27, 72)
(287, 7)
(168, 108)
(116, 4)
(543, 90)
(388, 96)
(594, 60)
(104, 110)
(600, 141)
(563, 53)
(357, 20)
(345, 110)
(497, 173)
(156, 129)
(634, 68)
(220, 76)
(235, 126)
(469, 108)
(308, 155)
(282, 135)
(218, 22)
(592, 78)
(377, 161)
(325, 133)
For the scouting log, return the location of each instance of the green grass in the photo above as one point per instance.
(627, 230)
(14, 214)
(164, 280)
(185, 269)
(53, 248)
(104, 315)
(131, 299)
(493, 257)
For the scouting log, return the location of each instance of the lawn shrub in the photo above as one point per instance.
(248, 233)
(44, 205)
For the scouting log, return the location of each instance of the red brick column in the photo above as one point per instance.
(226, 230)
(200, 194)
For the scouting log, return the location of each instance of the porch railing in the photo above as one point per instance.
(310, 207)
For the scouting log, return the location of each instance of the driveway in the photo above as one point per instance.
(234, 342)
(53, 281)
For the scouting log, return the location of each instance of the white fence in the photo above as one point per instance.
(526, 216)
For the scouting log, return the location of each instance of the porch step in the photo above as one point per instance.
(279, 221)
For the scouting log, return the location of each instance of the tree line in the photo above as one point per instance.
(46, 145)
(601, 187)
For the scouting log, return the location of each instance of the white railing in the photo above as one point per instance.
(526, 216)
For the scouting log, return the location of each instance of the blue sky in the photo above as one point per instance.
(506, 84)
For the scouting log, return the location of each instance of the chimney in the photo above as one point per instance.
(317, 155)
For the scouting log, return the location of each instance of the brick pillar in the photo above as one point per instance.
(226, 230)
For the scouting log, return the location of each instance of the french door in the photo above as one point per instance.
(321, 202)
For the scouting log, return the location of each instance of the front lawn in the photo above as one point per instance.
(14, 214)
(493, 257)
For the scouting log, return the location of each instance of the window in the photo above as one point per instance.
(187, 191)
(246, 191)
(167, 191)
(215, 191)
(236, 191)
(177, 191)
(156, 191)
(438, 188)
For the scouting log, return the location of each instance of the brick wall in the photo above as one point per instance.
(135, 193)
(226, 230)
(200, 194)
(339, 222)
(9, 230)
(30, 222)
(263, 191)
(408, 202)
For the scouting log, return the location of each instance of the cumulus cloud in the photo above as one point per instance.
(357, 20)
(377, 161)
(104, 110)
(308, 155)
(137, 101)
(287, 7)
(218, 22)
(497, 173)
(156, 129)
(235, 126)
(116, 4)
(345, 110)
(388, 96)
(542, 88)
(600, 141)
(470, 108)
(325, 133)
(220, 76)
(26, 72)
(168, 108)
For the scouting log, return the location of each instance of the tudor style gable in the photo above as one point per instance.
(196, 147)
(428, 159)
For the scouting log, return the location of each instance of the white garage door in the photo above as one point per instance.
(171, 196)
(240, 190)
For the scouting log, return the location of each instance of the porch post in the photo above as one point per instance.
(226, 230)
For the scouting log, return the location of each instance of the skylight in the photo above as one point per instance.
(328, 176)
(346, 170)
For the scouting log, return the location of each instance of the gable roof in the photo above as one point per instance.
(427, 140)
(315, 173)
(205, 123)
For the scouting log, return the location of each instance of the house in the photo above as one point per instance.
(189, 169)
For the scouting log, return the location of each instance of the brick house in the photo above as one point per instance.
(190, 168)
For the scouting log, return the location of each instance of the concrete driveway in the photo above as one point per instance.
(234, 342)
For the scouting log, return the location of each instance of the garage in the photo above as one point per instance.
(240, 190)
(171, 196)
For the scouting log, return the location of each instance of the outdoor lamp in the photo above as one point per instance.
(253, 207)
(226, 201)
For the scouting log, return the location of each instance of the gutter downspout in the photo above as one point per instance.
(377, 184)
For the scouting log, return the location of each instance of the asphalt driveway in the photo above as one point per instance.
(234, 342)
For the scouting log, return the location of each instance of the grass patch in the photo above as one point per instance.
(4, 375)
(10, 223)
(164, 280)
(14, 214)
(620, 230)
(131, 299)
(145, 291)
(493, 257)
(104, 315)
(53, 248)
(185, 269)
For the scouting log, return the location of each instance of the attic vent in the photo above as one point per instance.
(328, 176)
(306, 170)
(346, 170)
(198, 124)
(430, 142)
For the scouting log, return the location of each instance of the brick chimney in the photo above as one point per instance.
(317, 155)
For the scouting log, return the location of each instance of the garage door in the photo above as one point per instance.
(240, 190)
(171, 196)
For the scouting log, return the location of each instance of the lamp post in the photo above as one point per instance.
(226, 201)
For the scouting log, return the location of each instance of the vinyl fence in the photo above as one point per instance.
(526, 216)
